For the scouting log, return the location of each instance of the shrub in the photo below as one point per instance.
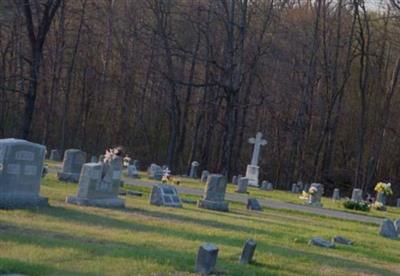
(356, 205)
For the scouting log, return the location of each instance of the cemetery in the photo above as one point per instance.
(211, 137)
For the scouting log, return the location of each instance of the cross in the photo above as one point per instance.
(258, 142)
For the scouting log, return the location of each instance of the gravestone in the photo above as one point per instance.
(55, 155)
(137, 164)
(341, 240)
(295, 188)
(356, 195)
(253, 204)
(387, 229)
(306, 187)
(321, 243)
(99, 185)
(234, 180)
(204, 176)
(248, 252)
(314, 199)
(21, 166)
(214, 194)
(93, 159)
(155, 172)
(101, 158)
(165, 195)
(381, 198)
(206, 259)
(398, 202)
(266, 186)
(252, 170)
(242, 185)
(133, 172)
(397, 226)
(193, 169)
(336, 194)
(72, 165)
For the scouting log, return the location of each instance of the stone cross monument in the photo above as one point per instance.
(253, 169)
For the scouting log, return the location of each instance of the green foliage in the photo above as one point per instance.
(356, 205)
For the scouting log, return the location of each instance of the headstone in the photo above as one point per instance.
(387, 229)
(133, 172)
(155, 172)
(93, 159)
(242, 185)
(55, 155)
(306, 187)
(266, 186)
(356, 195)
(252, 170)
(248, 252)
(315, 194)
(341, 240)
(136, 163)
(206, 259)
(397, 226)
(72, 165)
(253, 204)
(321, 242)
(101, 158)
(204, 176)
(234, 180)
(193, 169)
(381, 198)
(398, 202)
(21, 166)
(99, 185)
(214, 194)
(336, 194)
(295, 188)
(300, 186)
(165, 195)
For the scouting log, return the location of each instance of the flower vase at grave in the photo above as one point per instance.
(381, 197)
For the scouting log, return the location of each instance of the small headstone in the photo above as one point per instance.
(155, 172)
(315, 194)
(356, 195)
(214, 194)
(306, 187)
(93, 159)
(381, 198)
(136, 163)
(133, 172)
(72, 165)
(242, 185)
(295, 188)
(398, 202)
(165, 195)
(266, 186)
(300, 186)
(204, 176)
(248, 252)
(55, 155)
(321, 242)
(387, 229)
(193, 169)
(253, 204)
(336, 194)
(397, 226)
(99, 185)
(206, 259)
(341, 240)
(234, 180)
(21, 167)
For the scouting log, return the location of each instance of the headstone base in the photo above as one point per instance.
(105, 203)
(252, 174)
(213, 205)
(19, 202)
(68, 177)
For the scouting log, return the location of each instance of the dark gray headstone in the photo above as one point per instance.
(242, 185)
(341, 240)
(398, 202)
(204, 176)
(295, 188)
(72, 165)
(381, 198)
(356, 195)
(21, 167)
(253, 204)
(387, 229)
(321, 242)
(248, 252)
(55, 155)
(93, 159)
(165, 195)
(397, 226)
(266, 186)
(99, 185)
(206, 259)
(234, 180)
(132, 171)
(193, 169)
(214, 194)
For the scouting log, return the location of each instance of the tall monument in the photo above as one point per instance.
(253, 169)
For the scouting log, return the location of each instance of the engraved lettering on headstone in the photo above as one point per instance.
(24, 155)
(95, 174)
(30, 170)
(116, 175)
(13, 169)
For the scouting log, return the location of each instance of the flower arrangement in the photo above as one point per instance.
(378, 206)
(126, 161)
(111, 154)
(356, 205)
(166, 175)
(312, 191)
(384, 188)
(304, 195)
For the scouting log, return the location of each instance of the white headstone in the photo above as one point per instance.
(252, 170)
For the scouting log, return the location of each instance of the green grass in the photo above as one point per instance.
(143, 239)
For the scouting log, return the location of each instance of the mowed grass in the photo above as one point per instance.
(143, 239)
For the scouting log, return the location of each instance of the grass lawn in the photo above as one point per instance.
(143, 239)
